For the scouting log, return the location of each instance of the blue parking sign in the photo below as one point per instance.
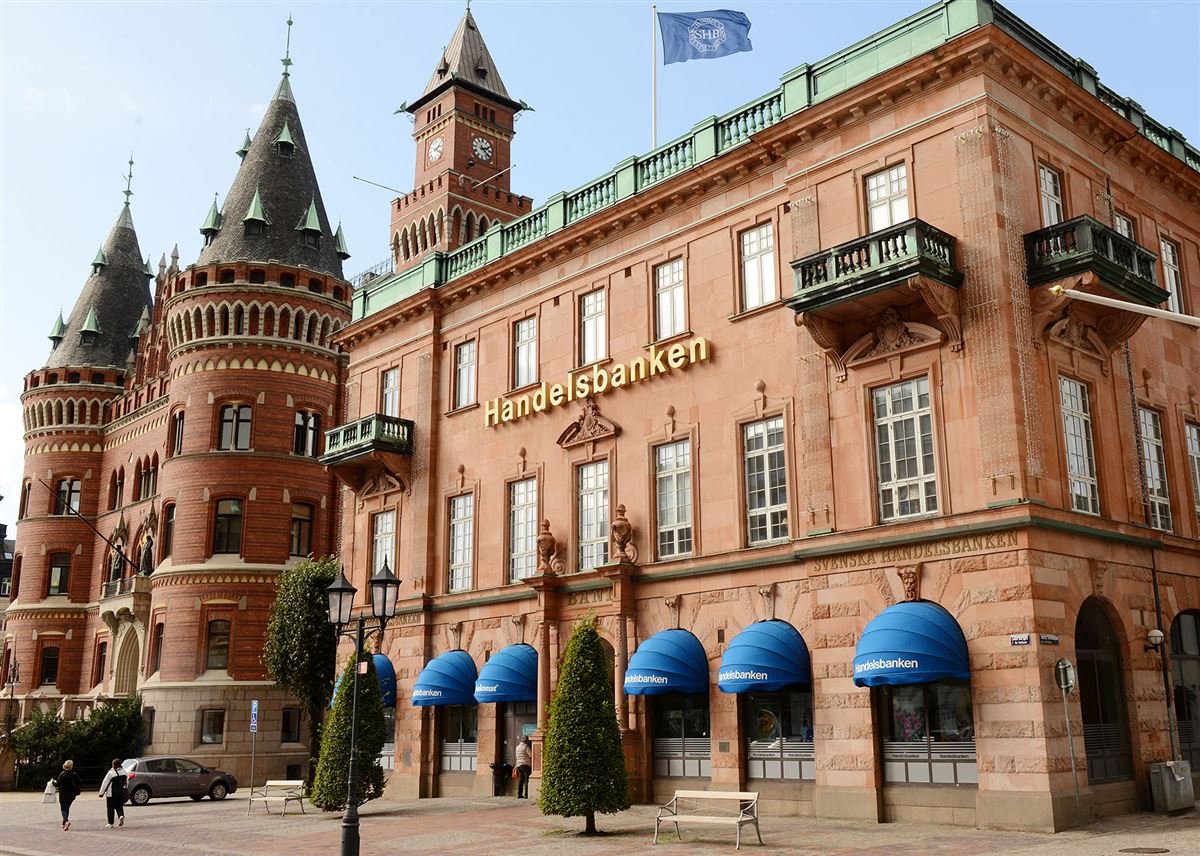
(254, 716)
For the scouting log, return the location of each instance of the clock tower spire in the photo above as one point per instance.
(463, 127)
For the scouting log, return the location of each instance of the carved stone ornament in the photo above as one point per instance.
(588, 427)
(1074, 332)
(892, 334)
(621, 531)
(548, 559)
(910, 579)
(121, 533)
(767, 593)
(672, 603)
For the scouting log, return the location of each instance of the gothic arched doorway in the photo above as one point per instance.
(1102, 696)
(125, 672)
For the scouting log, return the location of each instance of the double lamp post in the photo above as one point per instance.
(385, 590)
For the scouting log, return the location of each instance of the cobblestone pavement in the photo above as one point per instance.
(466, 827)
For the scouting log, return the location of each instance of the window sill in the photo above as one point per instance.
(772, 542)
(529, 387)
(465, 408)
(757, 310)
(681, 336)
(603, 361)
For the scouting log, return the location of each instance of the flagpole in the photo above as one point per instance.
(653, 77)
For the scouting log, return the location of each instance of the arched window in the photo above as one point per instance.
(101, 663)
(227, 276)
(1185, 665)
(168, 529)
(23, 507)
(216, 650)
(224, 320)
(1102, 696)
(298, 327)
(239, 321)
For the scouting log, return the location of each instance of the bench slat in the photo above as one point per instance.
(717, 795)
(701, 818)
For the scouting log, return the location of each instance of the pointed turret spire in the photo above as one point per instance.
(310, 222)
(59, 328)
(339, 243)
(284, 142)
(101, 260)
(147, 270)
(255, 212)
(91, 324)
(284, 91)
(212, 222)
(245, 147)
(467, 62)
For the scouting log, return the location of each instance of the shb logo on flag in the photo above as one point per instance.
(703, 35)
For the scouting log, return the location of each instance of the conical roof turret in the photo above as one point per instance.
(466, 62)
(112, 300)
(274, 189)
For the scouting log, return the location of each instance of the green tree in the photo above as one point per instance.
(583, 766)
(44, 741)
(301, 646)
(333, 769)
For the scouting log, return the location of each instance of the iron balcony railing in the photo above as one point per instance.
(1084, 244)
(127, 585)
(878, 260)
(375, 432)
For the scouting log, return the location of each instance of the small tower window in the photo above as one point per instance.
(314, 285)
(258, 277)
(312, 239)
(256, 227)
(285, 149)
(201, 279)
(287, 280)
(227, 276)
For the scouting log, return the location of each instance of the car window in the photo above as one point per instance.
(182, 766)
(159, 765)
(129, 765)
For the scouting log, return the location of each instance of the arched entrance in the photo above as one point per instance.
(1102, 696)
(1185, 664)
(125, 672)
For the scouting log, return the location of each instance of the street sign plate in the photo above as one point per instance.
(1064, 675)
(254, 716)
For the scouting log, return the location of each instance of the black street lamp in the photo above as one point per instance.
(385, 589)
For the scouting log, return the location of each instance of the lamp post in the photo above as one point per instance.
(385, 589)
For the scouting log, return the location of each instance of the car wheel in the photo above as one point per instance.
(140, 795)
(218, 791)
(197, 797)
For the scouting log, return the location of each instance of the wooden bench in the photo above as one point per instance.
(747, 811)
(280, 791)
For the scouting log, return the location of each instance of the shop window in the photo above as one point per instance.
(758, 266)
(212, 727)
(904, 464)
(306, 438)
(593, 336)
(48, 673)
(389, 392)
(1050, 193)
(1192, 436)
(673, 488)
(216, 649)
(66, 496)
(459, 738)
(464, 374)
(101, 663)
(290, 732)
(227, 526)
(682, 745)
(1172, 281)
(522, 529)
(235, 428)
(766, 481)
(779, 734)
(462, 524)
(592, 483)
(383, 540)
(1154, 461)
(887, 197)
(1185, 668)
(669, 313)
(1081, 458)
(525, 366)
(302, 521)
(516, 718)
(928, 734)
(1102, 696)
(60, 574)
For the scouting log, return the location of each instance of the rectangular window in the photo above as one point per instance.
(1123, 225)
(1172, 281)
(593, 515)
(1154, 459)
(758, 266)
(101, 663)
(1050, 192)
(216, 654)
(887, 197)
(168, 535)
(1081, 458)
(464, 374)
(60, 573)
(905, 474)
(49, 674)
(673, 486)
(1193, 450)
(290, 732)
(212, 726)
(156, 647)
(235, 428)
(306, 438)
(462, 524)
(766, 481)
(682, 744)
(177, 433)
(525, 365)
(66, 497)
(928, 734)
(593, 337)
(227, 526)
(148, 725)
(302, 519)
(669, 316)
(522, 529)
(779, 734)
(383, 540)
(389, 392)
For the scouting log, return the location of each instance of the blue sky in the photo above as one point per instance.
(81, 84)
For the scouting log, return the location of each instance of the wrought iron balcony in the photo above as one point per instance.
(361, 449)
(138, 584)
(874, 263)
(1084, 245)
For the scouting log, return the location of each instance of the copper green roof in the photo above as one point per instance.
(59, 328)
(285, 136)
(100, 259)
(91, 324)
(284, 91)
(255, 211)
(339, 243)
(310, 222)
(212, 222)
(245, 147)
(149, 271)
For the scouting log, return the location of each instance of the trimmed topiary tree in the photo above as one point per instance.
(333, 769)
(583, 765)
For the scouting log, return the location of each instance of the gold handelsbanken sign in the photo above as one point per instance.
(595, 381)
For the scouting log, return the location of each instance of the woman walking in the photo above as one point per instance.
(69, 787)
(113, 791)
(524, 759)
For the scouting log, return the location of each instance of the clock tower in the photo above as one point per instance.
(463, 126)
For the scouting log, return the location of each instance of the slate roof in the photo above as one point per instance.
(115, 297)
(285, 187)
(466, 60)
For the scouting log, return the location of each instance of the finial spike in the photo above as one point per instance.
(287, 53)
(128, 180)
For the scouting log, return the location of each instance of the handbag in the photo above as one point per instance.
(516, 774)
(48, 794)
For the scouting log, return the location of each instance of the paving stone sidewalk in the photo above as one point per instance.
(465, 827)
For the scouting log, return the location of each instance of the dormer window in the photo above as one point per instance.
(256, 220)
(256, 227)
(284, 144)
(208, 239)
(312, 239)
(309, 226)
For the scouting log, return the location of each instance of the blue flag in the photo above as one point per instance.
(703, 35)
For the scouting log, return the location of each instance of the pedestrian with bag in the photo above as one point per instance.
(524, 759)
(69, 787)
(113, 791)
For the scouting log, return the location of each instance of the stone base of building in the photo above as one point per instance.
(931, 804)
(846, 803)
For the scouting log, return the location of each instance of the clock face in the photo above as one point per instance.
(482, 148)
(435, 149)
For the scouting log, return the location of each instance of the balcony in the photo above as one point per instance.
(370, 448)
(1083, 246)
(125, 599)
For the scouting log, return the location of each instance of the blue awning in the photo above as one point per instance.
(510, 675)
(385, 674)
(446, 679)
(671, 661)
(766, 656)
(916, 642)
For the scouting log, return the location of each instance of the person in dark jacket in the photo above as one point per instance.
(69, 787)
(113, 791)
